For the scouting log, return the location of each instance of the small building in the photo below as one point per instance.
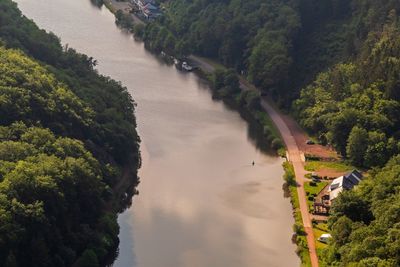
(142, 3)
(148, 8)
(323, 201)
(150, 11)
(345, 182)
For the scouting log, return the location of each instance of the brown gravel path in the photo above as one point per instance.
(298, 164)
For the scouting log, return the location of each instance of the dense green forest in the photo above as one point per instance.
(280, 45)
(66, 136)
(335, 65)
(254, 37)
(355, 106)
(366, 222)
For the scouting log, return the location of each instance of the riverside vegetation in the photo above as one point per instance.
(334, 64)
(224, 81)
(68, 150)
(225, 85)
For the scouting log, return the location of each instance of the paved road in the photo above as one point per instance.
(296, 156)
(202, 64)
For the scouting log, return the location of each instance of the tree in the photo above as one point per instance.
(218, 79)
(376, 153)
(65, 132)
(342, 229)
(88, 259)
(353, 206)
(231, 81)
(357, 144)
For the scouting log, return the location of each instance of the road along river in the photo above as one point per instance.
(201, 201)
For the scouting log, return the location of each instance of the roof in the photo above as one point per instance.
(351, 179)
(338, 182)
(334, 193)
(150, 6)
(345, 182)
(145, 2)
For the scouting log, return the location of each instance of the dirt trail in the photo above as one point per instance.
(298, 164)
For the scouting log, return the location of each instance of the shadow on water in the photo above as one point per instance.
(254, 134)
(254, 129)
(124, 202)
(286, 190)
(97, 3)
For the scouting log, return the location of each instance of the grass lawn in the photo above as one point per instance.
(339, 166)
(319, 229)
(296, 205)
(313, 190)
(302, 248)
(301, 240)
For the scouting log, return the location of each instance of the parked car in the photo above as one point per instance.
(186, 66)
(310, 142)
(315, 179)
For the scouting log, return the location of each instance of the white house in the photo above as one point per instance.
(345, 182)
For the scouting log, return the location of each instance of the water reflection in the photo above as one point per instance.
(201, 202)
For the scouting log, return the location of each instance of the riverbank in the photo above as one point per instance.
(81, 149)
(303, 227)
(245, 98)
(267, 115)
(259, 108)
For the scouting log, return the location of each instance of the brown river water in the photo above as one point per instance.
(201, 202)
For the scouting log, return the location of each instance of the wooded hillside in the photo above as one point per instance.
(335, 65)
(66, 134)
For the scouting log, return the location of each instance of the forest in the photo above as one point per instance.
(335, 66)
(254, 37)
(354, 106)
(67, 133)
(66, 136)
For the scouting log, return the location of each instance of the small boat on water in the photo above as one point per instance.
(186, 66)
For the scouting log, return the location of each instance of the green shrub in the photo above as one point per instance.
(276, 143)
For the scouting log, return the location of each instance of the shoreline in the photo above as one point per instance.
(300, 211)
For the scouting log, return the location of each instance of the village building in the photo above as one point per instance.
(325, 198)
(345, 182)
(148, 8)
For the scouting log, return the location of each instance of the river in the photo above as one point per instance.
(201, 201)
